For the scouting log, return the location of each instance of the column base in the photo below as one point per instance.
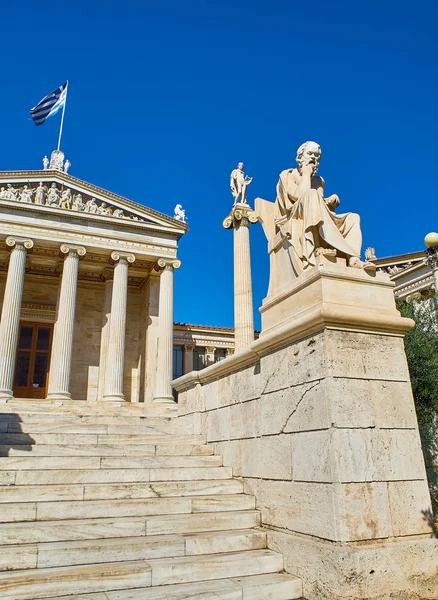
(58, 396)
(117, 398)
(6, 395)
(164, 400)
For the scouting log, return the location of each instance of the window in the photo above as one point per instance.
(198, 358)
(219, 354)
(178, 352)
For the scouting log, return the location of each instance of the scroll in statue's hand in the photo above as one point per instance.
(332, 201)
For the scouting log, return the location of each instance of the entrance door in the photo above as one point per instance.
(32, 364)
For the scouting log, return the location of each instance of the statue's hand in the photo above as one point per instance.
(308, 169)
(333, 201)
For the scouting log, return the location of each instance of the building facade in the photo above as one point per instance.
(86, 285)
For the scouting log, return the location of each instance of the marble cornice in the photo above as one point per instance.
(54, 174)
(108, 242)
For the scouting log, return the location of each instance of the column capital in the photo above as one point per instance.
(210, 349)
(240, 214)
(229, 351)
(107, 275)
(67, 249)
(189, 347)
(167, 263)
(15, 242)
(117, 256)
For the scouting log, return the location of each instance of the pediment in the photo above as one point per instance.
(58, 191)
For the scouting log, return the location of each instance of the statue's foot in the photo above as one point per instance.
(356, 263)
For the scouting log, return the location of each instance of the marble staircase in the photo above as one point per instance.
(105, 503)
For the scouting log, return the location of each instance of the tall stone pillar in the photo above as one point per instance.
(62, 346)
(188, 358)
(10, 318)
(107, 278)
(116, 344)
(239, 219)
(163, 388)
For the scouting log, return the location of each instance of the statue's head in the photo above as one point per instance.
(240, 166)
(307, 153)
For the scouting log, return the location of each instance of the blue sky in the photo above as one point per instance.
(165, 99)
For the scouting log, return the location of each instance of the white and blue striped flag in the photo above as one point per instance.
(49, 105)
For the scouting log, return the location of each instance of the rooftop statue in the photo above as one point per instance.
(179, 213)
(238, 184)
(302, 223)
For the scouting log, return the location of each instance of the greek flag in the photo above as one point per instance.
(49, 105)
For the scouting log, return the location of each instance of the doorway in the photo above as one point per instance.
(32, 363)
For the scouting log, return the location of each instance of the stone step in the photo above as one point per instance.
(93, 509)
(103, 450)
(18, 439)
(76, 426)
(62, 554)
(50, 582)
(119, 491)
(96, 475)
(28, 463)
(273, 586)
(91, 529)
(82, 407)
(86, 419)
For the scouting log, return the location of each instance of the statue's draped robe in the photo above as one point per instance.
(309, 223)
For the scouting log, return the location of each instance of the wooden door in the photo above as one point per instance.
(32, 363)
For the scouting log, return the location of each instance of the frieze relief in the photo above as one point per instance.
(65, 198)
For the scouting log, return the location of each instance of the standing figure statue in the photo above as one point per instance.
(238, 184)
(66, 199)
(67, 165)
(45, 163)
(40, 193)
(3, 193)
(52, 196)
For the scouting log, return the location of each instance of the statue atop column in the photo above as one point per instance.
(302, 223)
(238, 184)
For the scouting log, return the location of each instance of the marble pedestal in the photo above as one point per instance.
(317, 417)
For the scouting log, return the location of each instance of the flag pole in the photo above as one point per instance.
(62, 117)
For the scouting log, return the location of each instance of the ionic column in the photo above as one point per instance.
(107, 278)
(10, 319)
(209, 355)
(113, 391)
(239, 219)
(188, 358)
(62, 345)
(163, 388)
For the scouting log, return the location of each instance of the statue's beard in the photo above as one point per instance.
(310, 161)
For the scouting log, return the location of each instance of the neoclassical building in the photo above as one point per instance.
(86, 285)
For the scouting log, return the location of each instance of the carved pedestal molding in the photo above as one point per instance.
(62, 347)
(107, 277)
(113, 390)
(239, 219)
(10, 319)
(163, 388)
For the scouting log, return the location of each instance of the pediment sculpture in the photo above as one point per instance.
(51, 195)
(302, 223)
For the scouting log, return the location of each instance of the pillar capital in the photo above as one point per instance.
(241, 214)
(18, 242)
(210, 349)
(189, 347)
(167, 263)
(72, 250)
(126, 257)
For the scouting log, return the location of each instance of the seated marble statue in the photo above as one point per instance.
(302, 222)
